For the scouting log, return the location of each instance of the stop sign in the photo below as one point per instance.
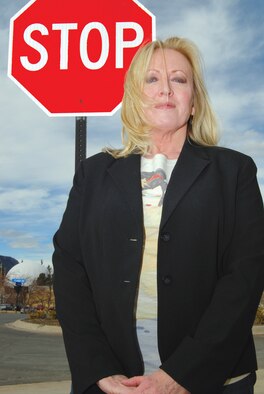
(71, 57)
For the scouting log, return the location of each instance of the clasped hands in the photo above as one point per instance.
(158, 382)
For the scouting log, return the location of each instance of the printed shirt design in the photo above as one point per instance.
(152, 181)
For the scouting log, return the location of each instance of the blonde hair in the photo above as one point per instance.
(202, 127)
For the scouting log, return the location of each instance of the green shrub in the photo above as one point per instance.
(38, 315)
(51, 314)
(260, 315)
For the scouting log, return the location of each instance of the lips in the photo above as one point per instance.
(165, 106)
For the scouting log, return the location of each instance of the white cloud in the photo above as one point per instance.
(19, 200)
(19, 240)
(30, 201)
(34, 148)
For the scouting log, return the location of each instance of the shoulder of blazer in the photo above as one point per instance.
(95, 168)
(99, 160)
(105, 160)
(222, 155)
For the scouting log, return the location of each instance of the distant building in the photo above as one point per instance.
(26, 272)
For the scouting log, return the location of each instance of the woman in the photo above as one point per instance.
(166, 234)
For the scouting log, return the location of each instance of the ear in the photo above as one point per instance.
(193, 111)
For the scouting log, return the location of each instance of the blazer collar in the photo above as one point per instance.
(126, 175)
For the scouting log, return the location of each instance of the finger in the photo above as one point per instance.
(133, 382)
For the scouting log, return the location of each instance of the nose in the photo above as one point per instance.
(165, 89)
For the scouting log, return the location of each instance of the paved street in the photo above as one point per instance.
(28, 357)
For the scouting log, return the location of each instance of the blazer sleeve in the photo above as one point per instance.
(204, 361)
(89, 354)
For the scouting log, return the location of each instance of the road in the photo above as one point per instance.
(29, 357)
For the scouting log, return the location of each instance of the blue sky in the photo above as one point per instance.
(37, 152)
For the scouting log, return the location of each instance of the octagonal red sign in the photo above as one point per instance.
(71, 57)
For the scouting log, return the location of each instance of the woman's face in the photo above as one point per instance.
(169, 86)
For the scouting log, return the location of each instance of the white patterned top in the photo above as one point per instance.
(155, 175)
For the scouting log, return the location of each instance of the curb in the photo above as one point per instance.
(33, 327)
(45, 329)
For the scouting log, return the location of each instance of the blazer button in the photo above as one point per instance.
(165, 237)
(167, 280)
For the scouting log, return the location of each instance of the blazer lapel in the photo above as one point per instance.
(126, 175)
(192, 161)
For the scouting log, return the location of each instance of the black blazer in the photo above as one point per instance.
(210, 269)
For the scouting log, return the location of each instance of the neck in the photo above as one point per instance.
(168, 143)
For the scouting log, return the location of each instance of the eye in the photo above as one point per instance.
(151, 79)
(179, 79)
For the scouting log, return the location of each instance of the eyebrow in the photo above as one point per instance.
(172, 71)
(153, 69)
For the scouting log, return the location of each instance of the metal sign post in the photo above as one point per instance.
(80, 139)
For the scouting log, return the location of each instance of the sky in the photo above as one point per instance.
(37, 152)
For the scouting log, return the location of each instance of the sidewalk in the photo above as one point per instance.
(39, 388)
(259, 386)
